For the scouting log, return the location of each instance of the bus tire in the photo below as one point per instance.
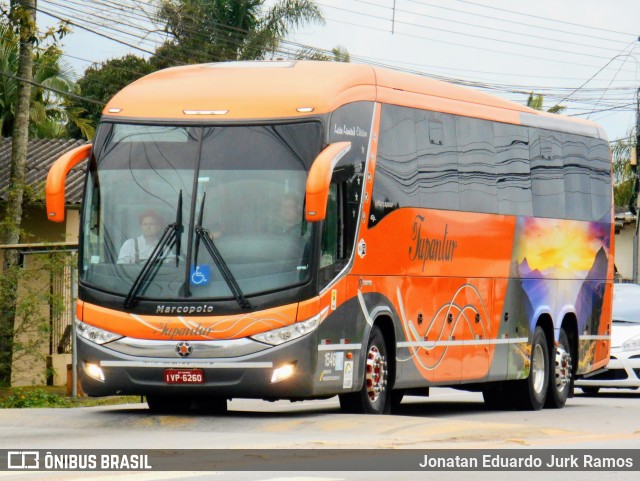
(375, 396)
(559, 373)
(531, 393)
(168, 404)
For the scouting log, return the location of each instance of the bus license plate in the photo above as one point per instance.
(183, 376)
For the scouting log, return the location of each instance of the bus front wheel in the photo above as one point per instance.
(374, 397)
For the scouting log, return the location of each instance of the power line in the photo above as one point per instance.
(284, 50)
(544, 18)
(518, 44)
(494, 29)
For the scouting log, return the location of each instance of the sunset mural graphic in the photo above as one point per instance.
(560, 245)
(559, 265)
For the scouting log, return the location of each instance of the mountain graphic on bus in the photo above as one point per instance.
(554, 277)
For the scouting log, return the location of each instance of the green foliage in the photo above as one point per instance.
(32, 309)
(536, 102)
(33, 398)
(338, 54)
(623, 176)
(103, 81)
(48, 113)
(221, 30)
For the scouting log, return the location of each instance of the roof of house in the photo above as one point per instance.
(41, 154)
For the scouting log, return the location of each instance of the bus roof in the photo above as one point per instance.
(240, 91)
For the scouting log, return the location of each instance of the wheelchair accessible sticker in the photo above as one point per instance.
(200, 275)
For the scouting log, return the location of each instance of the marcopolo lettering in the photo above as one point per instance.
(425, 249)
(189, 309)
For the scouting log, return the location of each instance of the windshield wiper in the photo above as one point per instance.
(205, 236)
(170, 237)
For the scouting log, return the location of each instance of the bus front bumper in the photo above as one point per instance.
(286, 371)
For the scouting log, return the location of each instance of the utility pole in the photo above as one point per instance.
(22, 14)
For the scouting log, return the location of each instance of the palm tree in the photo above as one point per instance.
(219, 30)
(49, 113)
(536, 101)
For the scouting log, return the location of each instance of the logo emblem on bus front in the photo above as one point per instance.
(184, 349)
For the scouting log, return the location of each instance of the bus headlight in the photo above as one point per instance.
(95, 334)
(289, 333)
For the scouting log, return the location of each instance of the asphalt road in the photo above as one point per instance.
(448, 419)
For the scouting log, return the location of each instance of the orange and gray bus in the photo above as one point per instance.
(301, 230)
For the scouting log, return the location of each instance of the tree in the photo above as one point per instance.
(101, 82)
(23, 16)
(48, 111)
(338, 54)
(623, 176)
(220, 30)
(536, 102)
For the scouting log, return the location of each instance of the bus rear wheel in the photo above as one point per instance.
(374, 397)
(531, 393)
(560, 373)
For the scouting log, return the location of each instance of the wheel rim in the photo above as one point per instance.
(563, 368)
(538, 368)
(376, 376)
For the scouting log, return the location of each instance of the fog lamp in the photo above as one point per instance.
(282, 373)
(94, 371)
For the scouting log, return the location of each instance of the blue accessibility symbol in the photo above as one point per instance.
(200, 275)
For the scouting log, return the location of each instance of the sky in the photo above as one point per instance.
(583, 54)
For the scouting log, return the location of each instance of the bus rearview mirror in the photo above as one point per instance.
(319, 180)
(56, 180)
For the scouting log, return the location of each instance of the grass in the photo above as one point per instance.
(54, 397)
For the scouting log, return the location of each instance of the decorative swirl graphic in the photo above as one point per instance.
(425, 344)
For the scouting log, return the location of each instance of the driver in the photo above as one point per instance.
(139, 249)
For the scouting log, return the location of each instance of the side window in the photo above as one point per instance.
(577, 181)
(476, 165)
(351, 123)
(600, 176)
(437, 161)
(547, 173)
(513, 176)
(330, 231)
(334, 249)
(396, 181)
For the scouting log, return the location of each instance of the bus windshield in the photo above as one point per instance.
(231, 198)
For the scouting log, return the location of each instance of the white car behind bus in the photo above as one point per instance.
(623, 370)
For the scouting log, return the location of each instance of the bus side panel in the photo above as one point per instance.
(452, 320)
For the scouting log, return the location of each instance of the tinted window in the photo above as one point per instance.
(547, 176)
(476, 165)
(577, 181)
(448, 162)
(437, 161)
(513, 175)
(600, 174)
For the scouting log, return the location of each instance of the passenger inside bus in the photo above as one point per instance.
(138, 249)
(291, 220)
